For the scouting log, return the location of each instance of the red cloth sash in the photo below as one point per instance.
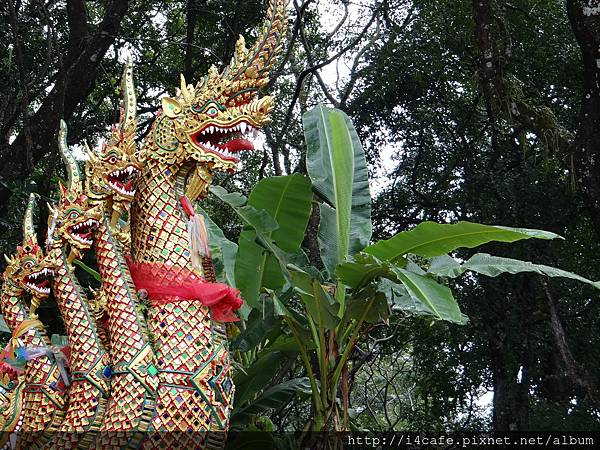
(164, 284)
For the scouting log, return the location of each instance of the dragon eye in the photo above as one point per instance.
(28, 264)
(74, 215)
(112, 160)
(212, 111)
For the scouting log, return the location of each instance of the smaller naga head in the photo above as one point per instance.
(110, 173)
(210, 123)
(75, 219)
(29, 271)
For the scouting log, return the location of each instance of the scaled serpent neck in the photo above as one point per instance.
(125, 320)
(15, 313)
(158, 224)
(80, 324)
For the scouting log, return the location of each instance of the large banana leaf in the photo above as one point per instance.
(318, 303)
(288, 201)
(437, 298)
(430, 239)
(222, 249)
(362, 269)
(251, 265)
(272, 398)
(494, 265)
(337, 167)
(420, 295)
(257, 376)
(259, 324)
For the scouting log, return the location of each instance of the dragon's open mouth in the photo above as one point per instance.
(122, 180)
(224, 141)
(39, 281)
(82, 232)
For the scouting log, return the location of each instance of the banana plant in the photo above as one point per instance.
(316, 314)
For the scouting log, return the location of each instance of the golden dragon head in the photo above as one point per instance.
(29, 271)
(75, 219)
(209, 122)
(110, 173)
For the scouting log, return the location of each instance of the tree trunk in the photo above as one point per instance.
(584, 16)
(73, 83)
(511, 396)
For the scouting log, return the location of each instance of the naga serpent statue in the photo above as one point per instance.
(147, 363)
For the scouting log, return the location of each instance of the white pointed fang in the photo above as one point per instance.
(243, 127)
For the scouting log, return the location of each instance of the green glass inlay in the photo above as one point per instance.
(152, 370)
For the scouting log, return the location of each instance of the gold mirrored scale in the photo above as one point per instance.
(30, 403)
(185, 373)
(176, 163)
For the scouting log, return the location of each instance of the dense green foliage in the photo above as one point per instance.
(448, 138)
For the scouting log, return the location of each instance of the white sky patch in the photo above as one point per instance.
(336, 75)
(79, 152)
(486, 401)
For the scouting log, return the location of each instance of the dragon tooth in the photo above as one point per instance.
(243, 127)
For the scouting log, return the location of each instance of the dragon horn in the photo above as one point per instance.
(256, 62)
(28, 230)
(128, 122)
(74, 182)
(188, 95)
(7, 259)
(89, 151)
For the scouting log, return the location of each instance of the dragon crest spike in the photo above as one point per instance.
(74, 180)
(29, 235)
(256, 62)
(7, 259)
(128, 121)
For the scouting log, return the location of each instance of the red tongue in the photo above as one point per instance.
(237, 145)
(129, 185)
